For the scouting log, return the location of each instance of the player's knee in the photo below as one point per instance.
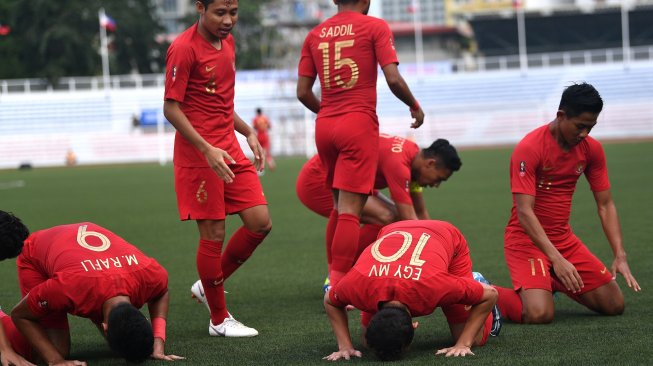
(537, 315)
(615, 306)
(263, 227)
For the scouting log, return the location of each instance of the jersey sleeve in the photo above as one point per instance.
(336, 300)
(384, 45)
(596, 171)
(306, 64)
(398, 179)
(47, 298)
(179, 64)
(524, 164)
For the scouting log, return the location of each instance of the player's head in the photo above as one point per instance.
(12, 235)
(390, 332)
(578, 112)
(217, 17)
(580, 98)
(437, 164)
(364, 4)
(129, 333)
(259, 111)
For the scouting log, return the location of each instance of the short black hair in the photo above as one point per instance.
(389, 333)
(12, 235)
(444, 153)
(129, 333)
(259, 111)
(580, 98)
(206, 3)
(340, 2)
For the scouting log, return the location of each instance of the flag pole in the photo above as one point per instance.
(419, 44)
(104, 51)
(521, 37)
(625, 33)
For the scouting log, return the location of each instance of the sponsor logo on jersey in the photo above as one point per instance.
(522, 168)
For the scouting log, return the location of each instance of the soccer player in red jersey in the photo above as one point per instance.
(85, 270)
(14, 349)
(261, 124)
(414, 267)
(344, 51)
(542, 252)
(213, 177)
(402, 167)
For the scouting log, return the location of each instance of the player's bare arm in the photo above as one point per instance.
(406, 212)
(158, 309)
(563, 269)
(419, 206)
(305, 94)
(244, 129)
(216, 158)
(340, 325)
(400, 89)
(34, 332)
(612, 228)
(477, 315)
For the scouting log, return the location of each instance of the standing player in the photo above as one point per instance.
(85, 270)
(542, 252)
(345, 50)
(213, 177)
(414, 267)
(261, 124)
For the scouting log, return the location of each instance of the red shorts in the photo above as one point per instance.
(531, 269)
(348, 146)
(264, 140)
(312, 190)
(16, 339)
(202, 195)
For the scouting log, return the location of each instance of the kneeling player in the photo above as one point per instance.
(414, 267)
(88, 271)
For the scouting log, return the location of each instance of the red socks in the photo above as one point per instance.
(345, 244)
(510, 304)
(330, 232)
(210, 272)
(367, 236)
(240, 247)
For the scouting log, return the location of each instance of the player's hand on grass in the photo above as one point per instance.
(9, 357)
(620, 265)
(218, 160)
(344, 353)
(164, 357)
(418, 115)
(455, 351)
(567, 274)
(259, 152)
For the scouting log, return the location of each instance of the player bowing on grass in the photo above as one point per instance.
(542, 252)
(85, 270)
(344, 51)
(213, 177)
(414, 267)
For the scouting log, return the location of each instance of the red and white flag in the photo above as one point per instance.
(107, 23)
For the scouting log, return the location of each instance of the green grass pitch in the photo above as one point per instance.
(279, 290)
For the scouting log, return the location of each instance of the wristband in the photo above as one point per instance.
(159, 328)
(415, 106)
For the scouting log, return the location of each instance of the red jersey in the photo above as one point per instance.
(344, 50)
(261, 124)
(410, 263)
(84, 265)
(539, 167)
(396, 155)
(202, 79)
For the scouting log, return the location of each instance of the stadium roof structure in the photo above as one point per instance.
(567, 29)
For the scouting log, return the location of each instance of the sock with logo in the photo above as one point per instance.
(210, 272)
(240, 247)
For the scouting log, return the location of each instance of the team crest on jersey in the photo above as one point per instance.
(522, 168)
(579, 168)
